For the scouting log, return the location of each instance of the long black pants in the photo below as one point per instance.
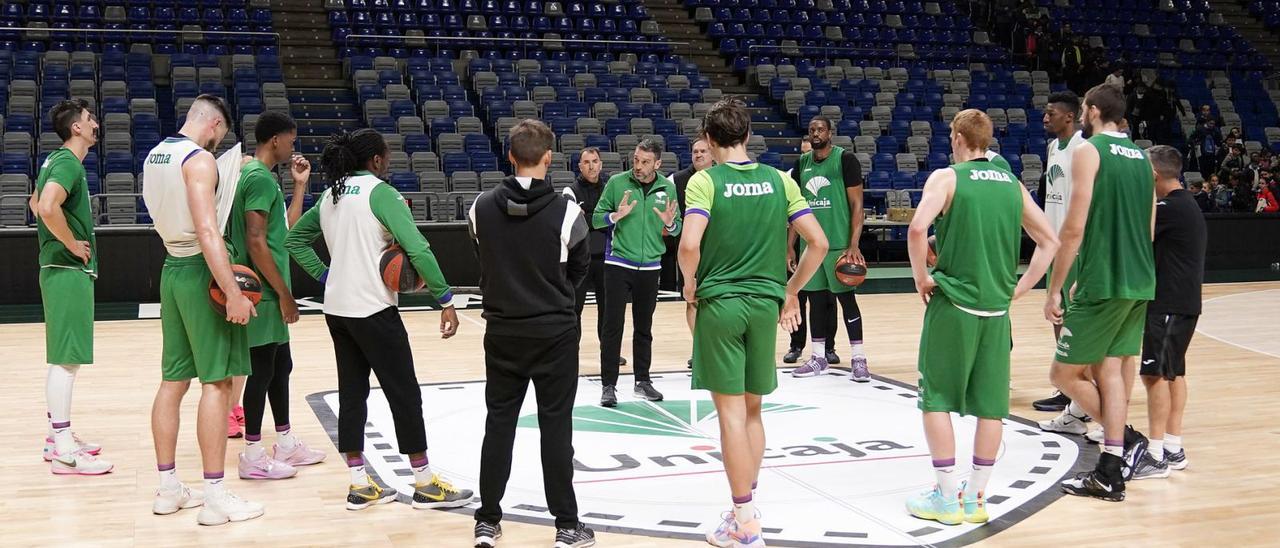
(800, 338)
(825, 323)
(272, 364)
(378, 343)
(642, 288)
(594, 282)
(510, 363)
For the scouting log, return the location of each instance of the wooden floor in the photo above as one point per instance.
(1227, 496)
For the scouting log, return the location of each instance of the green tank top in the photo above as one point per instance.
(744, 248)
(822, 184)
(1116, 258)
(979, 236)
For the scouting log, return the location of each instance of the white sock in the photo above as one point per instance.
(1156, 448)
(858, 351)
(819, 348)
(169, 479)
(421, 474)
(213, 487)
(745, 511)
(286, 440)
(978, 480)
(358, 476)
(948, 478)
(253, 450)
(1117, 450)
(1172, 443)
(1075, 410)
(58, 387)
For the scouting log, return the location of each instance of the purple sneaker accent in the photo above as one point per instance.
(859, 371)
(816, 365)
(265, 468)
(300, 455)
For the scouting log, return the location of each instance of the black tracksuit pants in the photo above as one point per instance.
(641, 286)
(378, 343)
(511, 363)
(594, 282)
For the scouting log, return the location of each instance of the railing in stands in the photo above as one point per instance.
(440, 42)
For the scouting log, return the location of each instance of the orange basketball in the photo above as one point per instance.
(249, 284)
(849, 273)
(398, 273)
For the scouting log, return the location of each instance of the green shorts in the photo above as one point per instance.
(268, 326)
(734, 343)
(1093, 330)
(825, 278)
(964, 361)
(67, 295)
(198, 342)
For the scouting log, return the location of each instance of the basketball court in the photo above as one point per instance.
(842, 456)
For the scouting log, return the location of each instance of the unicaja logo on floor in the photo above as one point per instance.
(840, 460)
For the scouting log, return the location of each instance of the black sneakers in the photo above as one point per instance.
(1148, 467)
(1104, 482)
(1177, 461)
(487, 534)
(792, 355)
(832, 358)
(1057, 402)
(578, 537)
(622, 362)
(1135, 446)
(609, 396)
(645, 390)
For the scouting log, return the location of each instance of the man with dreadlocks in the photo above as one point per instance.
(359, 216)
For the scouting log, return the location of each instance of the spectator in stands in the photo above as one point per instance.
(1072, 60)
(1266, 200)
(1206, 142)
(1203, 200)
(1236, 162)
(1243, 197)
(1116, 78)
(1221, 194)
(1206, 116)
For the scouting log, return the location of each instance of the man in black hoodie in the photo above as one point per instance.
(533, 252)
(585, 191)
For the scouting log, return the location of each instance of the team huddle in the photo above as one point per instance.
(755, 246)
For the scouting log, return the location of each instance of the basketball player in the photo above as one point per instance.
(1171, 319)
(800, 336)
(981, 211)
(359, 216)
(259, 222)
(731, 255)
(1109, 225)
(68, 268)
(1060, 115)
(585, 191)
(533, 250)
(830, 178)
(639, 207)
(180, 180)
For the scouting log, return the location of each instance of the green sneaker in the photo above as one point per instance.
(360, 497)
(975, 509)
(440, 494)
(933, 506)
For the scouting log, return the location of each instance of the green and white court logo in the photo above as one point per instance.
(840, 460)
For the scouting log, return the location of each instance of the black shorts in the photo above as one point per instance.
(1164, 344)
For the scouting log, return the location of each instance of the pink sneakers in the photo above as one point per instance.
(300, 455)
(78, 464)
(87, 447)
(265, 468)
(235, 422)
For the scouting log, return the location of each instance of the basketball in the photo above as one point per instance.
(249, 284)
(398, 273)
(850, 274)
(932, 259)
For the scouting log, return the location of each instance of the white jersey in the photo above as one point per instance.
(164, 190)
(1057, 193)
(356, 240)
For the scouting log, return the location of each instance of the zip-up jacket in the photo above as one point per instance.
(635, 242)
(586, 195)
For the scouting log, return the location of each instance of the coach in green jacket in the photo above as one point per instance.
(639, 206)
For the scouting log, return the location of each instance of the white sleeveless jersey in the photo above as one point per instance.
(356, 239)
(164, 190)
(1057, 192)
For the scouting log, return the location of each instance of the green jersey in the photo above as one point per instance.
(1116, 257)
(744, 249)
(64, 169)
(978, 238)
(259, 191)
(997, 160)
(823, 186)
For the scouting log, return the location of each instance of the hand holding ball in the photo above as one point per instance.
(850, 273)
(249, 285)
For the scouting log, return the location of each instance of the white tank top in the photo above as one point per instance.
(164, 190)
(356, 240)
(1057, 193)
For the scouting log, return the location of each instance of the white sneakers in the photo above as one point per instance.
(78, 463)
(1065, 423)
(168, 501)
(227, 507)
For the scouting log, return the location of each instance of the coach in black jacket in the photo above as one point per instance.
(585, 191)
(533, 253)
